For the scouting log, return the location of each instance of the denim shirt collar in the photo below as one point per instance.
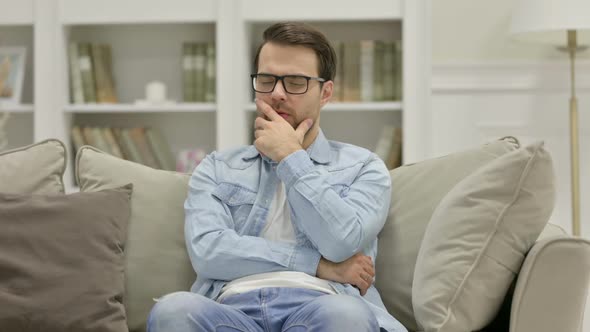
(318, 151)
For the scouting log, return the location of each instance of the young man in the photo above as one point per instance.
(283, 233)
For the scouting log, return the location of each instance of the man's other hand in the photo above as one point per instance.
(358, 271)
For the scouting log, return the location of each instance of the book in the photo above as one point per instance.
(114, 147)
(211, 83)
(133, 151)
(352, 76)
(389, 71)
(76, 88)
(338, 79)
(139, 139)
(103, 73)
(87, 72)
(77, 138)
(398, 74)
(100, 141)
(118, 135)
(383, 146)
(160, 149)
(367, 54)
(88, 136)
(394, 158)
(188, 83)
(378, 74)
(200, 71)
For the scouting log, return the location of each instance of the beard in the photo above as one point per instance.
(280, 107)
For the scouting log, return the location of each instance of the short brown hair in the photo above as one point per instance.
(301, 34)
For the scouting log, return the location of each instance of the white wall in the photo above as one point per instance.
(485, 85)
(478, 30)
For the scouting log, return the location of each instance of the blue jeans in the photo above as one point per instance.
(266, 309)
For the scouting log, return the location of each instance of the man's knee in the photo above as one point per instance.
(344, 307)
(336, 313)
(177, 310)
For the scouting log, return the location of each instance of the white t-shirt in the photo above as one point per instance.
(279, 229)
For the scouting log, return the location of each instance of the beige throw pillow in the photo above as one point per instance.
(416, 191)
(37, 168)
(157, 261)
(477, 240)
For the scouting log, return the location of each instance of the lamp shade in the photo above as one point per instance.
(547, 20)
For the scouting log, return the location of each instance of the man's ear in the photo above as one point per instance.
(326, 93)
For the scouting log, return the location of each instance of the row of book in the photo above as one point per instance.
(91, 73)
(389, 146)
(198, 72)
(142, 145)
(368, 70)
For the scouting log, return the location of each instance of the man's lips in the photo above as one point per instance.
(283, 115)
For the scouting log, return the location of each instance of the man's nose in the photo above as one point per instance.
(279, 92)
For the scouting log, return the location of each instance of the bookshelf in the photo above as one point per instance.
(146, 38)
(16, 30)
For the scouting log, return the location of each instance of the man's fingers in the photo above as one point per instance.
(370, 271)
(260, 123)
(304, 127)
(267, 110)
(362, 285)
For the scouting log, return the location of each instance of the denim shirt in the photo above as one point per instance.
(339, 196)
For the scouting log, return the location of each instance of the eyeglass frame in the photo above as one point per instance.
(281, 78)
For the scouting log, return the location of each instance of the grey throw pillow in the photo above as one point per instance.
(62, 261)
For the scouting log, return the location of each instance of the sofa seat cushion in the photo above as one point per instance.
(417, 189)
(477, 239)
(157, 261)
(37, 168)
(62, 261)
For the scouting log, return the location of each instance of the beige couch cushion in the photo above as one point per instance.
(157, 260)
(477, 239)
(62, 261)
(416, 191)
(37, 168)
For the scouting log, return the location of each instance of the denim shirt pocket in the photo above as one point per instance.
(238, 199)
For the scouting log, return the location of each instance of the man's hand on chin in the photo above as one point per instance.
(275, 137)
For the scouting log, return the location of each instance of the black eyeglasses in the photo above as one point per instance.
(293, 84)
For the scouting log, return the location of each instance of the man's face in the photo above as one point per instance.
(293, 60)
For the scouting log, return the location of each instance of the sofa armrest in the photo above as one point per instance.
(551, 288)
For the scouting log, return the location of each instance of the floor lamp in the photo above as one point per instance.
(564, 23)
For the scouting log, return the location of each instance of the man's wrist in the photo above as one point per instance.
(324, 269)
(289, 151)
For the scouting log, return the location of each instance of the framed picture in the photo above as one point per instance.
(12, 72)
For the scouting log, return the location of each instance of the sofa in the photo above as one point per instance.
(466, 246)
